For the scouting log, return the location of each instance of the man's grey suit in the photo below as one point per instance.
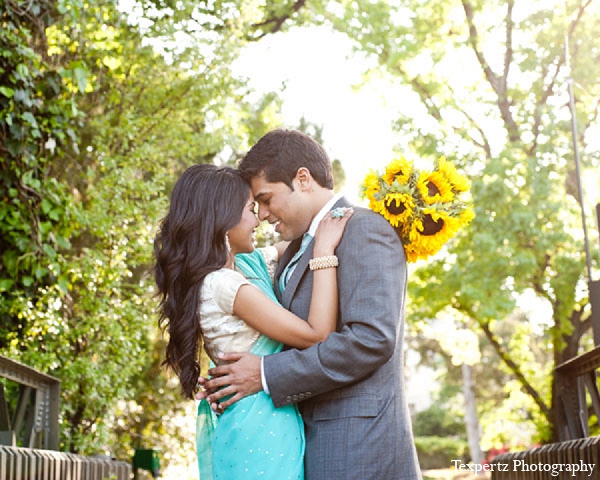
(350, 388)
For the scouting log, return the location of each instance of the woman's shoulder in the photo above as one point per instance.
(221, 286)
(220, 279)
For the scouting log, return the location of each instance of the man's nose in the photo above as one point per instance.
(263, 213)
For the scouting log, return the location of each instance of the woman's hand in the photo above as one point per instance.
(330, 231)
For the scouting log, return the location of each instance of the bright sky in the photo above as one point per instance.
(319, 70)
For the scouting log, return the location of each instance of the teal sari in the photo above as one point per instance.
(251, 438)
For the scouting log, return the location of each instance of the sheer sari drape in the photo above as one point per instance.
(251, 438)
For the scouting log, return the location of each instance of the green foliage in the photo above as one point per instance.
(438, 421)
(37, 120)
(97, 126)
(101, 110)
(491, 82)
(316, 132)
(438, 452)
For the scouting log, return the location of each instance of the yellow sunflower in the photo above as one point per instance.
(434, 188)
(424, 207)
(371, 185)
(411, 255)
(378, 206)
(429, 233)
(412, 245)
(458, 182)
(398, 208)
(398, 170)
(465, 218)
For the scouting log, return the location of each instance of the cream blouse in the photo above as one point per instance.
(223, 331)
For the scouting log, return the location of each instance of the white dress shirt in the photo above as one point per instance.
(312, 230)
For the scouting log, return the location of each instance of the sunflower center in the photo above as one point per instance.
(432, 189)
(399, 173)
(395, 207)
(431, 226)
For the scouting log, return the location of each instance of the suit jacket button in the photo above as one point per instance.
(288, 399)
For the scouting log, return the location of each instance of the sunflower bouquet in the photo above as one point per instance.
(425, 207)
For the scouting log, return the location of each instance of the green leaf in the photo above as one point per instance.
(22, 70)
(9, 258)
(6, 284)
(63, 285)
(80, 75)
(48, 250)
(28, 116)
(40, 272)
(55, 214)
(46, 205)
(7, 92)
(63, 242)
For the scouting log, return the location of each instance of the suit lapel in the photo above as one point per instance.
(297, 275)
(285, 259)
(301, 267)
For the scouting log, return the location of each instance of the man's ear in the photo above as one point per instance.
(304, 179)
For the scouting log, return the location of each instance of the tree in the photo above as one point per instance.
(506, 123)
(37, 121)
(88, 170)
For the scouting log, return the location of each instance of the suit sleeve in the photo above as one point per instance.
(372, 280)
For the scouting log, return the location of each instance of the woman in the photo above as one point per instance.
(207, 296)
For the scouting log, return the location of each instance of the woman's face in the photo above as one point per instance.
(241, 237)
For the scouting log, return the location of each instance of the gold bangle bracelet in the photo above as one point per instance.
(318, 263)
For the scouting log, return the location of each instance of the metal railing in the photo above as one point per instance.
(34, 422)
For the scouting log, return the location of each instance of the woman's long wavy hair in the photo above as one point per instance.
(206, 202)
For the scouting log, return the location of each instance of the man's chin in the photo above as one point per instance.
(288, 236)
(285, 234)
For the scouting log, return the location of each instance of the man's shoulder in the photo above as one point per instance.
(368, 230)
(367, 217)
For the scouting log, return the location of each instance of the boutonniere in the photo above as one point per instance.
(425, 207)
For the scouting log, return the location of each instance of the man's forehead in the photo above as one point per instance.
(261, 187)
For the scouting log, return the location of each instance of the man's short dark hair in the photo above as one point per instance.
(280, 153)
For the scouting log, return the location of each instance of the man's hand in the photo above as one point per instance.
(239, 379)
(203, 392)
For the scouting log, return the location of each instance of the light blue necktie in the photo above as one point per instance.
(289, 268)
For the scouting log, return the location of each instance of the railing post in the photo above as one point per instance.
(37, 407)
(594, 292)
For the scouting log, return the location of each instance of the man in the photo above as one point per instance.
(349, 388)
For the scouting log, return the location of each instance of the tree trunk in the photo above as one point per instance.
(471, 419)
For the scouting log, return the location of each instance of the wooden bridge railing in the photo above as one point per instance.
(574, 460)
(573, 379)
(29, 435)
